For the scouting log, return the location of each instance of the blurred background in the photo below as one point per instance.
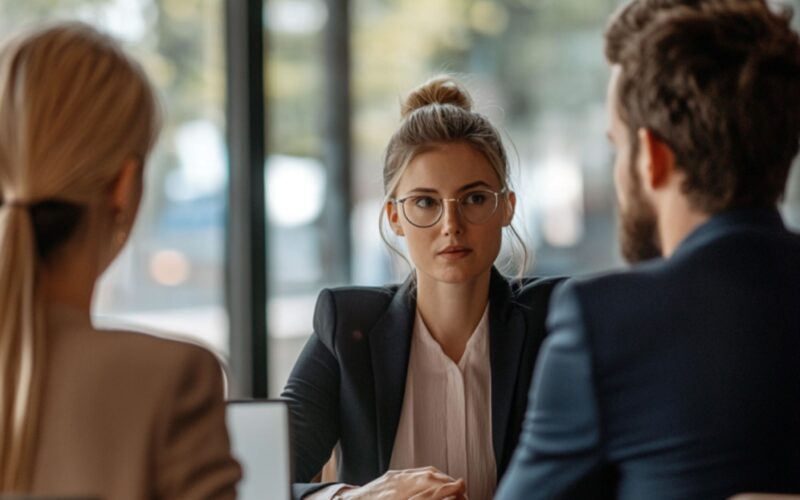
(333, 74)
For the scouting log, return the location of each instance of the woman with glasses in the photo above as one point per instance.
(422, 387)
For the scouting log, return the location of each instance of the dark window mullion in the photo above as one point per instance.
(246, 256)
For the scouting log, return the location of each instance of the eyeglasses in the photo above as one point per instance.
(425, 211)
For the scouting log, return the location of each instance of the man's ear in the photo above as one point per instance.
(394, 218)
(126, 190)
(510, 207)
(656, 160)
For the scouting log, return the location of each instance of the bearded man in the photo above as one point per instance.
(679, 378)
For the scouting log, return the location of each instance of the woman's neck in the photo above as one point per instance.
(69, 278)
(452, 311)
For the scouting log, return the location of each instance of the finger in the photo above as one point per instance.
(427, 468)
(432, 475)
(429, 471)
(410, 482)
(442, 491)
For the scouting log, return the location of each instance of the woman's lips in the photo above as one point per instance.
(454, 252)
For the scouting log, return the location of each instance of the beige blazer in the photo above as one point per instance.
(130, 416)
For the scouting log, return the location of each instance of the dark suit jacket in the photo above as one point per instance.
(679, 379)
(348, 384)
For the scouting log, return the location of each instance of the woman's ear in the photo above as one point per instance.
(126, 190)
(510, 206)
(394, 218)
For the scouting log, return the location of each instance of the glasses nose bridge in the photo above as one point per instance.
(457, 211)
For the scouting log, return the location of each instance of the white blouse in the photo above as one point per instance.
(446, 420)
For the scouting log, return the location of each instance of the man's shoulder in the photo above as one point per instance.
(619, 281)
(727, 254)
(620, 298)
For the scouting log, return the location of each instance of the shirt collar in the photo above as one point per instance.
(729, 221)
(477, 345)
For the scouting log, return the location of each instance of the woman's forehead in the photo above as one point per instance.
(448, 167)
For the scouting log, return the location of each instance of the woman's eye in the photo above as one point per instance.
(425, 202)
(477, 198)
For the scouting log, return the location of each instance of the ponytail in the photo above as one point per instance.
(21, 347)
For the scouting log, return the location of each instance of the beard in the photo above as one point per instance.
(638, 236)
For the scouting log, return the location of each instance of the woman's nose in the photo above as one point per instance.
(451, 217)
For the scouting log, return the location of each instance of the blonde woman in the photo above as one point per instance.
(105, 414)
(424, 385)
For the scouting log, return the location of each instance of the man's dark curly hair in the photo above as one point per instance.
(719, 82)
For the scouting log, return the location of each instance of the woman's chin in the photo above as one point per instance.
(455, 274)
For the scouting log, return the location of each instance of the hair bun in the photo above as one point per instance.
(439, 90)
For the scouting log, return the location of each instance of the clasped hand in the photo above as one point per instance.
(426, 483)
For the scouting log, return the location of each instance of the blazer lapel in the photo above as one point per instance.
(390, 343)
(506, 339)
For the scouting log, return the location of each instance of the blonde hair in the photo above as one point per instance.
(73, 109)
(438, 112)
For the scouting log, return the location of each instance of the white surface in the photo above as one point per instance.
(260, 440)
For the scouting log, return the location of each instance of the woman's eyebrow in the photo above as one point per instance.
(462, 188)
(474, 185)
(423, 190)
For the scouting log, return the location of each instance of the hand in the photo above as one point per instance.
(426, 483)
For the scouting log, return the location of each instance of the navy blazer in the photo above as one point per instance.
(679, 379)
(348, 384)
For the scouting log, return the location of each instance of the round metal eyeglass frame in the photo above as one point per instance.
(457, 201)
